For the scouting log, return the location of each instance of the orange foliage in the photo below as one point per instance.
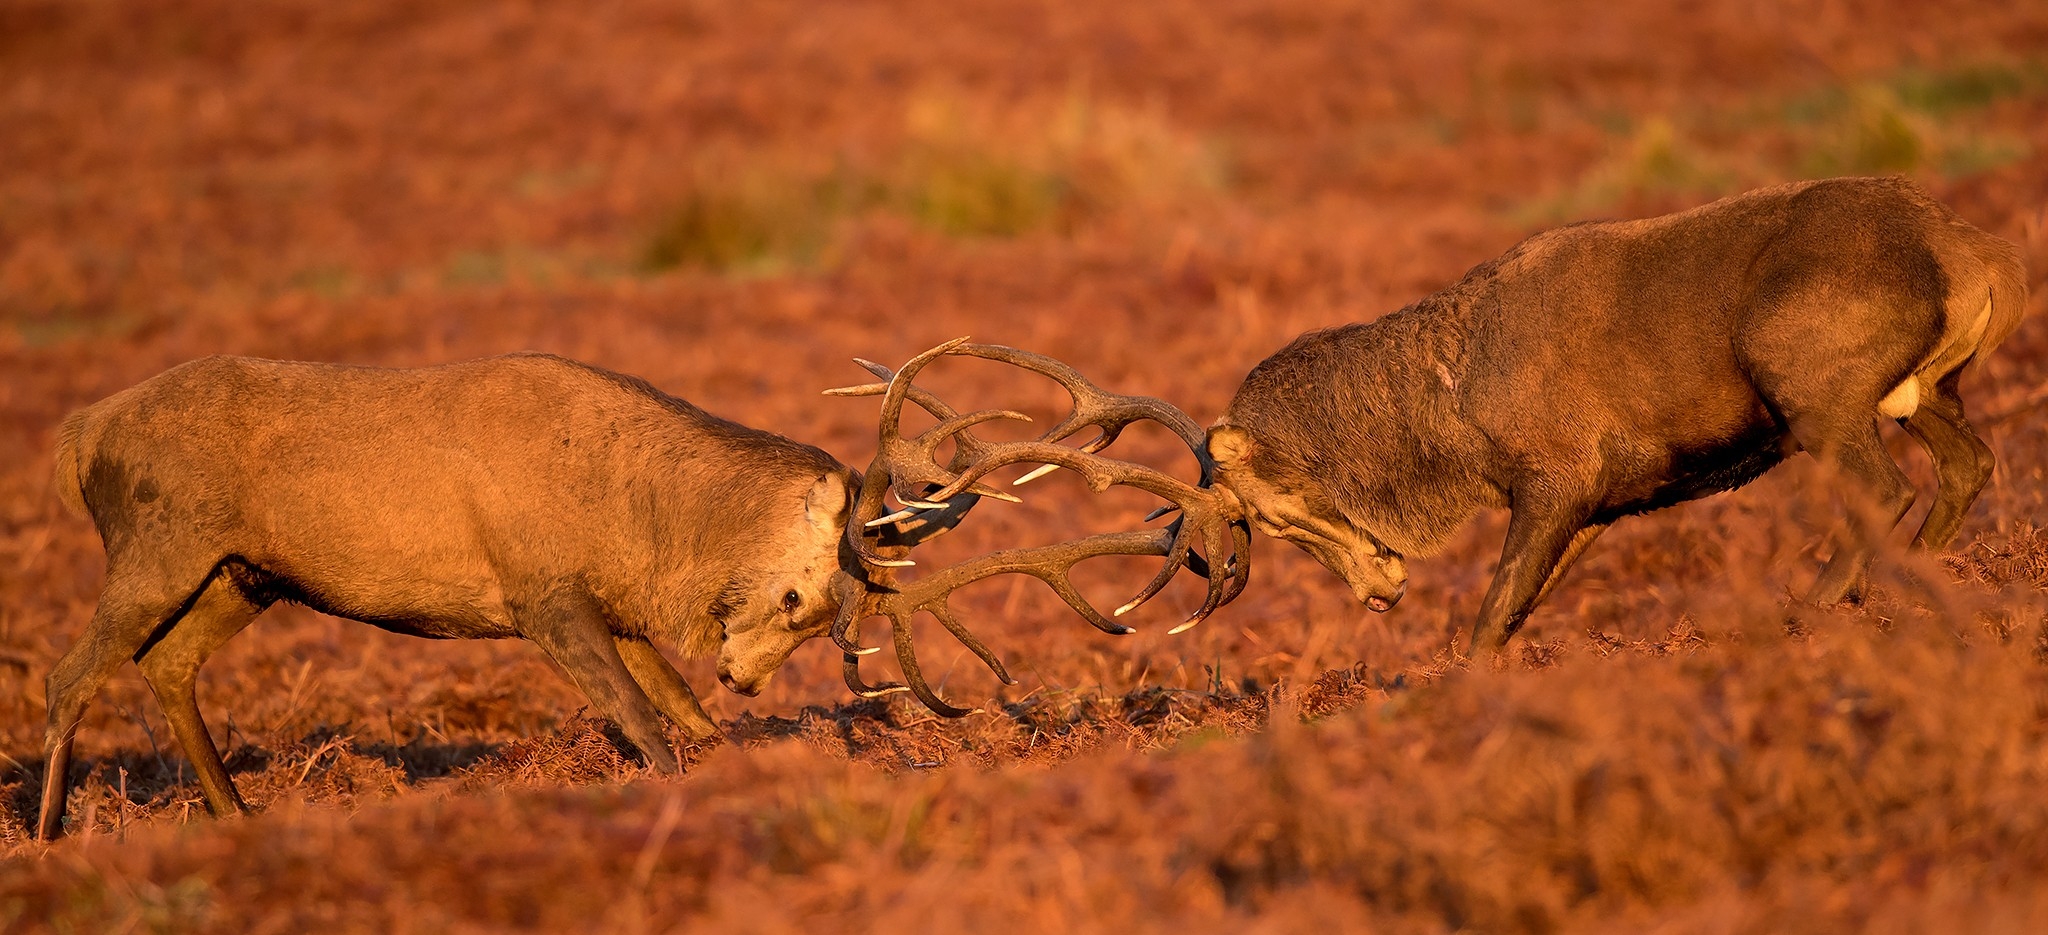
(732, 199)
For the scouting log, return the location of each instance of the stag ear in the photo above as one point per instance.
(1230, 446)
(826, 504)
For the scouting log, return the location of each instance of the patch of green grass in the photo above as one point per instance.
(476, 268)
(1874, 134)
(750, 221)
(1968, 87)
(961, 169)
(977, 196)
(93, 906)
(1916, 120)
(1657, 158)
(1197, 739)
(543, 184)
(1979, 154)
(61, 325)
(326, 281)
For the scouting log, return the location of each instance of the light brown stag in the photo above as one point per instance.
(526, 496)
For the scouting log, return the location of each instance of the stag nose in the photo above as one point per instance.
(749, 689)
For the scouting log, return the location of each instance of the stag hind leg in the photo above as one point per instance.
(1832, 415)
(1828, 417)
(1827, 352)
(1962, 462)
(171, 665)
(1877, 495)
(138, 599)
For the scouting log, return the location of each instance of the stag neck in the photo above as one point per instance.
(1382, 403)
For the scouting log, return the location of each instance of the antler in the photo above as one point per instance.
(936, 498)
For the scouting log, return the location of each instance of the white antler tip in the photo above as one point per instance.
(1034, 474)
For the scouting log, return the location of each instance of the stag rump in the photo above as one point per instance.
(1602, 370)
(525, 496)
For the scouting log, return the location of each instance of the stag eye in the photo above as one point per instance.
(791, 601)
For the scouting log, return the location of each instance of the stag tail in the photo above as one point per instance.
(70, 480)
(2008, 292)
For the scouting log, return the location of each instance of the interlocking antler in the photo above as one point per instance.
(935, 498)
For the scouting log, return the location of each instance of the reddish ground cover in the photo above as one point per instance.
(731, 200)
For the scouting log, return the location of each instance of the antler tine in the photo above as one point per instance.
(906, 657)
(1095, 406)
(1205, 514)
(1109, 413)
(1052, 564)
(1214, 519)
(867, 505)
(1211, 537)
(856, 603)
(849, 669)
(891, 469)
(911, 462)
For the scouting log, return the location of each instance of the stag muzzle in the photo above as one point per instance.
(1379, 603)
(750, 687)
(1378, 583)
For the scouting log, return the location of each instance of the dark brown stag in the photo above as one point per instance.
(908, 469)
(1602, 370)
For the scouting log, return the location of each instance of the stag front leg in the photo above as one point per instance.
(572, 631)
(665, 687)
(1540, 537)
(171, 666)
(1581, 541)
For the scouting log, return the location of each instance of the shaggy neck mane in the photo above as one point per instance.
(1366, 415)
(717, 508)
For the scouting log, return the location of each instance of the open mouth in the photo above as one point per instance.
(1380, 604)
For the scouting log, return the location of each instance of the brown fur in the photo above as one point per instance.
(525, 495)
(1602, 370)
